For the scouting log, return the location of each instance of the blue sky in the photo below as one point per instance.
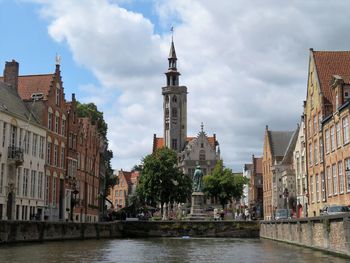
(244, 62)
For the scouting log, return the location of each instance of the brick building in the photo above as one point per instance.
(255, 194)
(327, 129)
(72, 149)
(124, 189)
(278, 175)
(88, 144)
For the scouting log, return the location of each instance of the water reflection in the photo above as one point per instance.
(164, 250)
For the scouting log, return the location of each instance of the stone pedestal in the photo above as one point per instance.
(197, 207)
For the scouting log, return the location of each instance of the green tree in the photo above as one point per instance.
(223, 184)
(161, 181)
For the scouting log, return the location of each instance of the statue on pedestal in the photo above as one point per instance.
(198, 180)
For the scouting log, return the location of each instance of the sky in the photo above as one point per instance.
(244, 62)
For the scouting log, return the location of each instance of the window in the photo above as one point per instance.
(337, 128)
(310, 154)
(55, 155)
(57, 121)
(63, 128)
(4, 134)
(317, 188)
(32, 183)
(335, 179)
(345, 130)
(49, 125)
(327, 142)
(2, 177)
(13, 141)
(312, 188)
(40, 185)
(48, 153)
(174, 98)
(340, 177)
(70, 140)
(26, 142)
(47, 186)
(57, 97)
(315, 153)
(54, 191)
(174, 144)
(321, 149)
(309, 128)
(336, 101)
(174, 112)
(332, 139)
(323, 187)
(25, 182)
(166, 98)
(319, 121)
(19, 173)
(62, 156)
(20, 138)
(329, 180)
(315, 123)
(34, 145)
(41, 147)
(347, 174)
(202, 155)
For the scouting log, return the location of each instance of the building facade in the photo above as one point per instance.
(278, 176)
(22, 156)
(125, 188)
(299, 160)
(327, 129)
(255, 192)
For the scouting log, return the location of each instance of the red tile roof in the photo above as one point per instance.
(329, 63)
(27, 85)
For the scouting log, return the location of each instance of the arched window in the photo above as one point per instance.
(202, 155)
(174, 98)
(166, 112)
(167, 99)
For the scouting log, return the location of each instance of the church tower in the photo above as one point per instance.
(174, 106)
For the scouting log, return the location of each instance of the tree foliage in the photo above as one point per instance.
(161, 181)
(90, 110)
(223, 184)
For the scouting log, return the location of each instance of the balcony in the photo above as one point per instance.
(15, 154)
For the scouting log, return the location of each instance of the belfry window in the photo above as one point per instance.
(174, 81)
(174, 112)
(174, 99)
(167, 99)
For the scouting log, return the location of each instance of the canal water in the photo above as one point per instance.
(164, 250)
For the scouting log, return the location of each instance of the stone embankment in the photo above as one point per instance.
(31, 231)
(327, 233)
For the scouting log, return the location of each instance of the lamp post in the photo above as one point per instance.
(73, 201)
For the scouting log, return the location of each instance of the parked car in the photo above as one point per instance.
(283, 214)
(334, 210)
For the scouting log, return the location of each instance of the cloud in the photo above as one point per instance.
(244, 63)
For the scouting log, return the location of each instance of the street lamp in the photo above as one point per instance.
(73, 201)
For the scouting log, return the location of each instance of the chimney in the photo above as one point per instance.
(11, 73)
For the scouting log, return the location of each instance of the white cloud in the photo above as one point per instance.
(244, 62)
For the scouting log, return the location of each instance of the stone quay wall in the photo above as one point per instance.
(31, 231)
(327, 233)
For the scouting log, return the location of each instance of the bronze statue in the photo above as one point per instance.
(198, 180)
